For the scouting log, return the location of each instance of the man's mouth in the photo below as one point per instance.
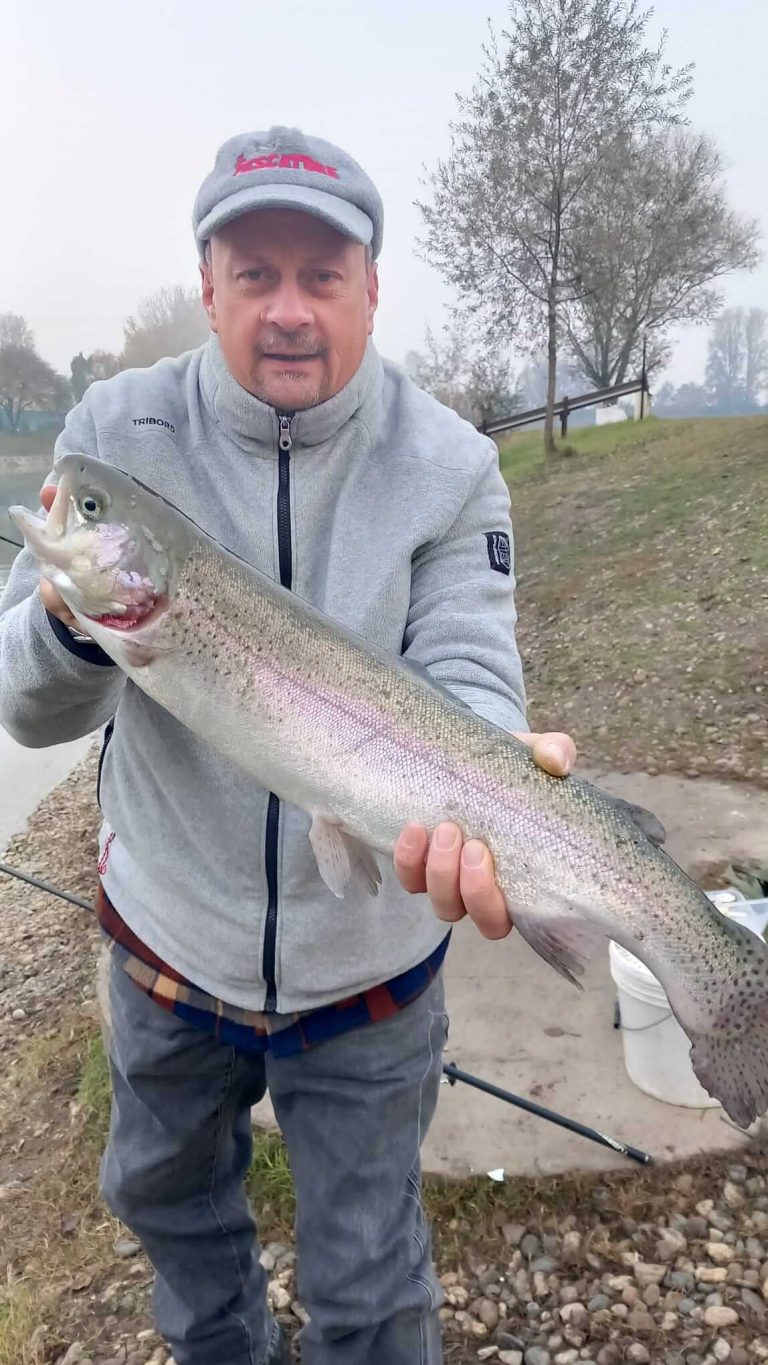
(286, 358)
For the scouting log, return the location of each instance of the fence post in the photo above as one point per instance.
(644, 379)
(564, 418)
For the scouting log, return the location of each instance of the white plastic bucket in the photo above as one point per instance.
(656, 1050)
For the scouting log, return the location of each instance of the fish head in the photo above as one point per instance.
(106, 545)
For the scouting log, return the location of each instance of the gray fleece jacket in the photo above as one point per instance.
(389, 513)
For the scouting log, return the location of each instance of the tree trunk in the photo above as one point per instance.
(549, 420)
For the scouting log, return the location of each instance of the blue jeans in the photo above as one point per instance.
(353, 1112)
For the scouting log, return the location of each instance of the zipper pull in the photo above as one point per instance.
(284, 440)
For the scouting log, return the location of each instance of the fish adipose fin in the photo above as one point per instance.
(731, 1057)
(342, 859)
(563, 937)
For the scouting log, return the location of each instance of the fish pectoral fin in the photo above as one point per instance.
(566, 940)
(342, 859)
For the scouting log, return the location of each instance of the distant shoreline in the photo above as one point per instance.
(33, 464)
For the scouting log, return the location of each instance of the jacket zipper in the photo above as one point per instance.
(285, 560)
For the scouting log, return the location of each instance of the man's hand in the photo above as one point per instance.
(459, 877)
(48, 594)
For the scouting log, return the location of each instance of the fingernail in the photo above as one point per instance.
(445, 838)
(473, 854)
(557, 755)
(410, 837)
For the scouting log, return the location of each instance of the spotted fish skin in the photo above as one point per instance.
(365, 744)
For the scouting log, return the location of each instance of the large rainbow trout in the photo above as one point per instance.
(365, 744)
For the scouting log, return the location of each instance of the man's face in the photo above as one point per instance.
(292, 301)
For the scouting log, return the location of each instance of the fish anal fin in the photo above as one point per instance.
(342, 859)
(563, 938)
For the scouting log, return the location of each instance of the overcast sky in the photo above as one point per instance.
(111, 115)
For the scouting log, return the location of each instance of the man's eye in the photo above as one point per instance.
(253, 274)
(324, 276)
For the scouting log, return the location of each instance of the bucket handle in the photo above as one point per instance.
(640, 1028)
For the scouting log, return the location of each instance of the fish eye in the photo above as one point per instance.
(92, 504)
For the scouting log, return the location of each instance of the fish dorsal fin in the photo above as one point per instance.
(645, 820)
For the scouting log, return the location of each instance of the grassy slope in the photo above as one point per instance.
(643, 593)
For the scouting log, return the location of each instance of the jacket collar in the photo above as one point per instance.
(254, 425)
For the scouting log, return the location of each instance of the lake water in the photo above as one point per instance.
(16, 486)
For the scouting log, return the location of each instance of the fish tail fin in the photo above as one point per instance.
(731, 1058)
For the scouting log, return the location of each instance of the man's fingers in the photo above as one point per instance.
(55, 604)
(554, 752)
(479, 892)
(410, 857)
(443, 862)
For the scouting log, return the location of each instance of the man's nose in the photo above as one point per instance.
(288, 307)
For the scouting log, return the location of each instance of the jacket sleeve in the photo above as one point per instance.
(52, 688)
(461, 622)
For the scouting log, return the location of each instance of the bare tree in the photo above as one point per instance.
(27, 381)
(14, 331)
(655, 233)
(466, 374)
(168, 322)
(567, 80)
(86, 369)
(737, 360)
(756, 363)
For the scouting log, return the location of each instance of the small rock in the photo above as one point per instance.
(487, 1352)
(686, 1307)
(737, 1175)
(511, 1357)
(488, 1313)
(506, 1342)
(19, 1013)
(279, 1298)
(566, 1357)
(669, 1322)
(645, 1272)
(711, 1274)
(651, 1295)
(598, 1303)
(469, 1325)
(640, 1321)
(720, 1316)
(672, 1245)
(720, 1252)
(739, 1356)
(530, 1246)
(753, 1301)
(537, 1355)
(74, 1355)
(721, 1349)
(126, 1248)
(513, 1233)
(575, 1315)
(609, 1354)
(638, 1353)
(733, 1196)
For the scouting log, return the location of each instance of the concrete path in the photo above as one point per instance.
(27, 775)
(502, 998)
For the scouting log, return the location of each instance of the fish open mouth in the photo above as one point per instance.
(133, 617)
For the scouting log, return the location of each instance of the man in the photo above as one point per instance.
(233, 967)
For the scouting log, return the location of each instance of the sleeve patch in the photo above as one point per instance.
(499, 555)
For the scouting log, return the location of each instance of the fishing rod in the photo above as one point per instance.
(8, 541)
(452, 1072)
(623, 1148)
